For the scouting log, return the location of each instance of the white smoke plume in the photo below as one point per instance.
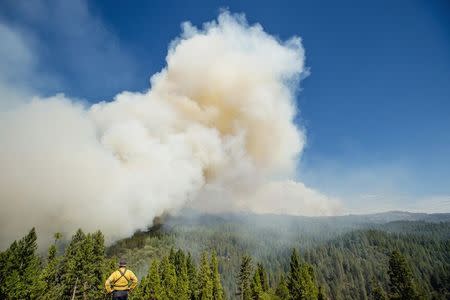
(216, 128)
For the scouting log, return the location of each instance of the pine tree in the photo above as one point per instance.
(376, 291)
(83, 266)
(256, 286)
(192, 274)
(244, 278)
(154, 282)
(13, 285)
(178, 260)
(263, 276)
(301, 282)
(168, 279)
(150, 285)
(294, 274)
(182, 276)
(96, 268)
(50, 275)
(218, 293)
(32, 265)
(205, 285)
(88, 288)
(401, 281)
(282, 290)
(73, 274)
(141, 291)
(20, 269)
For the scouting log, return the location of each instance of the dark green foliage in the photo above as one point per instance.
(192, 274)
(215, 278)
(377, 292)
(244, 278)
(256, 286)
(168, 278)
(73, 272)
(50, 275)
(205, 285)
(282, 290)
(183, 286)
(150, 285)
(177, 278)
(154, 289)
(346, 266)
(20, 269)
(320, 295)
(337, 262)
(401, 285)
(263, 277)
(84, 263)
(301, 282)
(346, 252)
(83, 266)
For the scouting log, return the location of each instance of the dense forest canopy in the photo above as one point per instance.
(244, 257)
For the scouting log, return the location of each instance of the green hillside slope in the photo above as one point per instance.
(349, 254)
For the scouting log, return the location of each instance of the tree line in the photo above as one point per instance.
(176, 276)
(78, 273)
(300, 282)
(80, 270)
(347, 265)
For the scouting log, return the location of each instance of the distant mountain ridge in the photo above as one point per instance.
(249, 217)
(391, 216)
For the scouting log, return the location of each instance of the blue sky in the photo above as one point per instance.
(376, 106)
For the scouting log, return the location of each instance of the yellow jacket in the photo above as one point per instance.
(119, 282)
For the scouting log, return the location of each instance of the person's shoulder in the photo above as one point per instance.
(113, 274)
(130, 272)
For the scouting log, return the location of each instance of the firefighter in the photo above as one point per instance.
(121, 282)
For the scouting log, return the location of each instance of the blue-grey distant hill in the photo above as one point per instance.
(189, 217)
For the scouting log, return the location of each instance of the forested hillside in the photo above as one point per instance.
(242, 257)
(349, 254)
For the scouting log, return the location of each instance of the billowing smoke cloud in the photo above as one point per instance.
(216, 128)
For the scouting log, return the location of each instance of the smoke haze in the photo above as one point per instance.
(215, 131)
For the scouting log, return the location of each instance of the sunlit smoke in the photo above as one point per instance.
(215, 130)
